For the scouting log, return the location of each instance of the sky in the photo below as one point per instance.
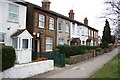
(92, 9)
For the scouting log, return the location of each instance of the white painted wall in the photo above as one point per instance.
(75, 35)
(84, 34)
(23, 55)
(28, 70)
(21, 24)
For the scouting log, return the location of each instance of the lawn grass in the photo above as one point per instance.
(109, 70)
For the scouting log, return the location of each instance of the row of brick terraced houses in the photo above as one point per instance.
(45, 28)
(50, 29)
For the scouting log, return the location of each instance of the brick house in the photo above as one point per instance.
(50, 29)
(41, 23)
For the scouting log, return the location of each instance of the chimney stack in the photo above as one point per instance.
(46, 4)
(71, 14)
(86, 21)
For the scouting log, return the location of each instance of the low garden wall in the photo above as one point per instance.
(27, 70)
(82, 57)
(78, 58)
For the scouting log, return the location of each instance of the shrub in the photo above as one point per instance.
(8, 57)
(91, 47)
(104, 45)
(98, 49)
(70, 50)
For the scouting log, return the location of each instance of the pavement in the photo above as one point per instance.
(82, 69)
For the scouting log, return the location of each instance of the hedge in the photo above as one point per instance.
(8, 57)
(74, 50)
(70, 50)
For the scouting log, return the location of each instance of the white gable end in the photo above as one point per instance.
(25, 34)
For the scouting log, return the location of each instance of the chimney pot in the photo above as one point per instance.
(86, 21)
(71, 14)
(46, 4)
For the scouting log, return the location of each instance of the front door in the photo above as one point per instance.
(37, 46)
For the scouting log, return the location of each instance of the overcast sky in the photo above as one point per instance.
(92, 9)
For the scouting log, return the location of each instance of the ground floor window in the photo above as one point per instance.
(25, 43)
(2, 38)
(49, 43)
(14, 42)
(61, 41)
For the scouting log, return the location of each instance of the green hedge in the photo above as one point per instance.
(70, 50)
(74, 50)
(8, 57)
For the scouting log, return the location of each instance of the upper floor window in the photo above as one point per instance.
(89, 32)
(92, 33)
(49, 43)
(78, 30)
(13, 12)
(60, 25)
(96, 35)
(51, 24)
(73, 29)
(83, 31)
(2, 38)
(67, 27)
(41, 21)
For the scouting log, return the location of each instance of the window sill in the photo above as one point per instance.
(52, 29)
(41, 27)
(48, 50)
(12, 21)
(60, 31)
(66, 32)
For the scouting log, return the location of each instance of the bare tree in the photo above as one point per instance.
(113, 13)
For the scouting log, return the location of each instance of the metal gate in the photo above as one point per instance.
(59, 59)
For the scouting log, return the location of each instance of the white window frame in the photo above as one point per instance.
(27, 44)
(13, 13)
(49, 43)
(3, 40)
(51, 23)
(41, 21)
(67, 27)
(92, 33)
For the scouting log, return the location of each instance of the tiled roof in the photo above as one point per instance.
(18, 32)
(60, 15)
